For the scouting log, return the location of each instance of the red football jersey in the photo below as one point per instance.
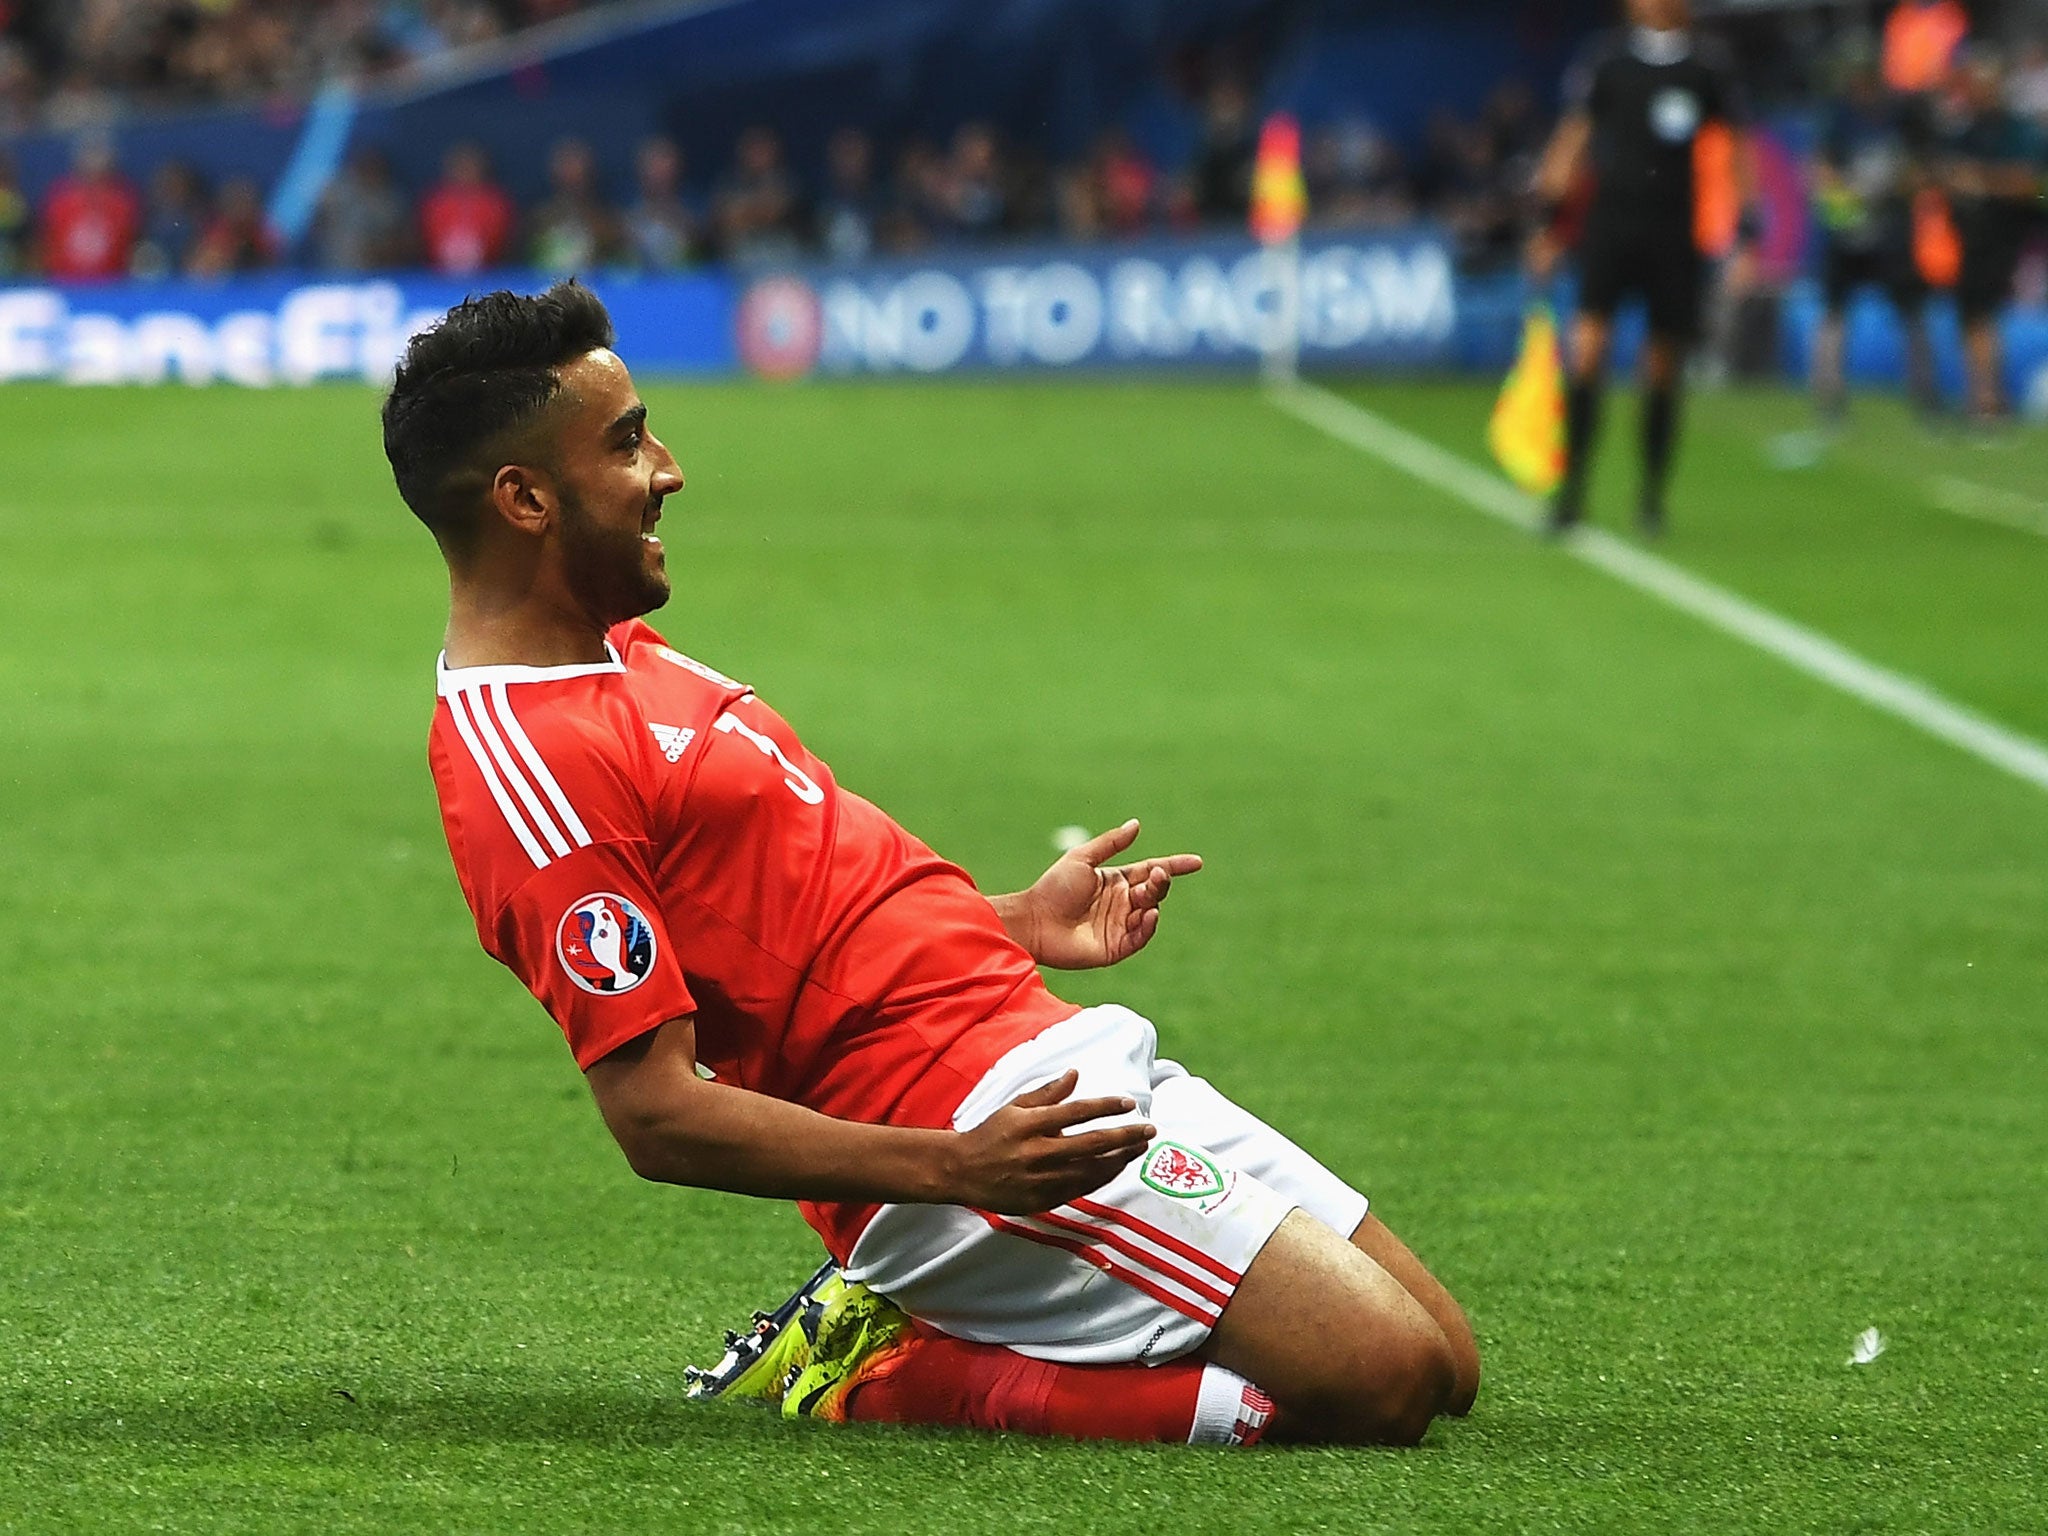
(89, 229)
(465, 228)
(643, 838)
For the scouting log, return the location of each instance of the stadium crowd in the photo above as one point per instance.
(856, 194)
(864, 197)
(68, 63)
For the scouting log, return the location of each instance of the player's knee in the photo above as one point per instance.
(1464, 1354)
(1464, 1375)
(1404, 1383)
(1414, 1394)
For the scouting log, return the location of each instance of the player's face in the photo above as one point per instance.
(612, 475)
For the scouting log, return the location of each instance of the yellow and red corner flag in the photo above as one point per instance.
(1527, 430)
(1279, 196)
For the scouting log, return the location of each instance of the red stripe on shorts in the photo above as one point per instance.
(1187, 1251)
(1115, 1271)
(1130, 1249)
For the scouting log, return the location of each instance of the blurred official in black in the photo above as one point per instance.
(1636, 106)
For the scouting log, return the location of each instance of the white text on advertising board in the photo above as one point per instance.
(326, 330)
(1060, 313)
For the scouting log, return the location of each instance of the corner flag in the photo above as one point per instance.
(1526, 432)
(1279, 196)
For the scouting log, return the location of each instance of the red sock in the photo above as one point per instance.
(935, 1379)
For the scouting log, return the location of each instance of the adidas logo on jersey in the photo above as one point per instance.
(673, 740)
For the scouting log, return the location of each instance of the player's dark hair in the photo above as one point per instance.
(488, 367)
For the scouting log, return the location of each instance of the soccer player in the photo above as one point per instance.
(1635, 105)
(1035, 1222)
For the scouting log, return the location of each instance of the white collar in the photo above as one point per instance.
(1659, 46)
(449, 679)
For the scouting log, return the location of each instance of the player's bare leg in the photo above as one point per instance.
(1377, 1243)
(1343, 1349)
(1984, 362)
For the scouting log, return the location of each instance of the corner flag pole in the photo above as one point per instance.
(1279, 204)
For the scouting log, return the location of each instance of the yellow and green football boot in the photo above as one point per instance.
(856, 1329)
(801, 1357)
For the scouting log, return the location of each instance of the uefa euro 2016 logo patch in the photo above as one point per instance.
(606, 946)
(1185, 1174)
(1675, 115)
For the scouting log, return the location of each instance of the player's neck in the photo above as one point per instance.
(1659, 45)
(530, 630)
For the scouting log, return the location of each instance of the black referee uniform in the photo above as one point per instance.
(1645, 95)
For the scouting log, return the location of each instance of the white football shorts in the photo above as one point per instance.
(1142, 1268)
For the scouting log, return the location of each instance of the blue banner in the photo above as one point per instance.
(282, 330)
(1362, 300)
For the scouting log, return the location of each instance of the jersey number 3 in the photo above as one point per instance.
(801, 784)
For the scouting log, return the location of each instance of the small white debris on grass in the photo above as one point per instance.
(1068, 838)
(1869, 1345)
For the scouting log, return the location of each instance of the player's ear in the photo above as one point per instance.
(524, 498)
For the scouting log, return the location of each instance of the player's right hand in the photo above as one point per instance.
(1020, 1160)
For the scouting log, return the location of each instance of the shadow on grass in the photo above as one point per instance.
(476, 1416)
(229, 1421)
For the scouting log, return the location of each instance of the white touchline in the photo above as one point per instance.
(1989, 504)
(1794, 644)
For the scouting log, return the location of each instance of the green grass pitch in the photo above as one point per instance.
(1687, 1017)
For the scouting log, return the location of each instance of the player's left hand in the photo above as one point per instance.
(1083, 915)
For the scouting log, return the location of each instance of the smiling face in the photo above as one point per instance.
(611, 476)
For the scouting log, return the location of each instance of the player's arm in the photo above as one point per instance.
(1557, 171)
(2017, 177)
(1558, 166)
(677, 1128)
(1960, 175)
(1079, 915)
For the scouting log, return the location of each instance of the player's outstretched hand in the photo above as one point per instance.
(1021, 1159)
(1083, 915)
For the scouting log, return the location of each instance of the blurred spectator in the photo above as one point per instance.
(756, 210)
(1115, 192)
(977, 202)
(1863, 180)
(17, 223)
(574, 230)
(165, 51)
(17, 87)
(1220, 185)
(79, 104)
(1515, 128)
(919, 200)
(850, 210)
(466, 219)
(1920, 39)
(177, 213)
(661, 231)
(236, 238)
(1990, 163)
(1354, 177)
(362, 224)
(427, 31)
(1466, 188)
(91, 218)
(2027, 93)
